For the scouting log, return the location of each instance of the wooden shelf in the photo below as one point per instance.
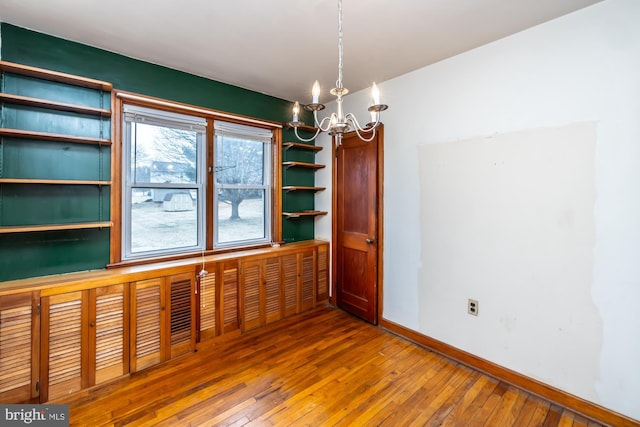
(289, 145)
(45, 136)
(289, 188)
(54, 105)
(54, 76)
(302, 214)
(302, 165)
(54, 227)
(52, 181)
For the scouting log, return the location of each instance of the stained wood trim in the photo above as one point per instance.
(516, 379)
(56, 137)
(190, 109)
(68, 282)
(55, 76)
(115, 248)
(53, 105)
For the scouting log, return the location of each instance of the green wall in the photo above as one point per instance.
(41, 253)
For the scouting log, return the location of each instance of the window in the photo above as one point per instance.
(242, 187)
(163, 183)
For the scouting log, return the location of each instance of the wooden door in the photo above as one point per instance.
(19, 347)
(356, 225)
(261, 292)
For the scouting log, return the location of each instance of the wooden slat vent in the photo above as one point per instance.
(15, 342)
(290, 279)
(147, 321)
(109, 330)
(307, 278)
(208, 302)
(65, 341)
(251, 293)
(180, 312)
(323, 275)
(231, 297)
(272, 291)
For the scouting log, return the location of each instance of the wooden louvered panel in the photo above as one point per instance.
(290, 283)
(18, 364)
(110, 333)
(251, 306)
(207, 305)
(230, 293)
(308, 280)
(148, 321)
(65, 344)
(181, 313)
(322, 293)
(273, 300)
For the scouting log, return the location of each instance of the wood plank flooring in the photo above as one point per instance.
(321, 368)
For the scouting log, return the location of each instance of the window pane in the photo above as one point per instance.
(163, 218)
(240, 215)
(239, 161)
(162, 154)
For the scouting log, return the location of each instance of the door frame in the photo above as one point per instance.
(379, 220)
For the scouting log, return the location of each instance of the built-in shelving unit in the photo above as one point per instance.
(32, 115)
(306, 201)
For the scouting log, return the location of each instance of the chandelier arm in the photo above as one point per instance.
(295, 130)
(359, 130)
(324, 124)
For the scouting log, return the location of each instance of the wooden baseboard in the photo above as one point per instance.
(574, 403)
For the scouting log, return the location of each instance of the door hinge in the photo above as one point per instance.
(38, 386)
(38, 310)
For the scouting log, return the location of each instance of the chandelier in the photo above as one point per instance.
(339, 122)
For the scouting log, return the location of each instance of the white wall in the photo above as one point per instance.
(485, 199)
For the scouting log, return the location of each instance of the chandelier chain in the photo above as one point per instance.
(339, 81)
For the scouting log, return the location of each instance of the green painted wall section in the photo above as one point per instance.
(41, 253)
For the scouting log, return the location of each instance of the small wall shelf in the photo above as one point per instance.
(54, 227)
(302, 214)
(298, 145)
(302, 188)
(302, 165)
(53, 105)
(52, 181)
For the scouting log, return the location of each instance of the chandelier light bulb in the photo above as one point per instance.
(315, 92)
(375, 94)
(296, 111)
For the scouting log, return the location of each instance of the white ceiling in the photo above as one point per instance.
(279, 47)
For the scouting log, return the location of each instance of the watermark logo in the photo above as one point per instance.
(34, 415)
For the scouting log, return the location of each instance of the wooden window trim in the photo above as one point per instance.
(121, 98)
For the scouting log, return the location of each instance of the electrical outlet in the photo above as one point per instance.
(472, 307)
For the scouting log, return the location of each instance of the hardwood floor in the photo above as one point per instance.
(320, 368)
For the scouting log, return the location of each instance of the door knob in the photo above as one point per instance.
(369, 240)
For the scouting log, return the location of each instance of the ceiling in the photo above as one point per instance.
(279, 47)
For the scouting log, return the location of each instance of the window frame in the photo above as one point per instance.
(134, 116)
(120, 99)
